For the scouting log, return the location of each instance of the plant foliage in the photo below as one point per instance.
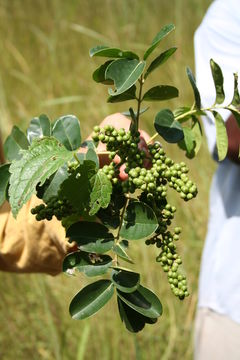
(101, 212)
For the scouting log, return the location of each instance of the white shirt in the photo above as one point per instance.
(218, 37)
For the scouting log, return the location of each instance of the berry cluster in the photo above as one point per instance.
(54, 207)
(152, 182)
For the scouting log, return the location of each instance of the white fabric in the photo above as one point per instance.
(218, 37)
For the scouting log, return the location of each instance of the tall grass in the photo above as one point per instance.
(45, 68)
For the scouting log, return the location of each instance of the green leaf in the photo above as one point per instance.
(90, 264)
(133, 321)
(161, 92)
(119, 249)
(39, 127)
(16, 141)
(188, 142)
(169, 128)
(67, 130)
(54, 186)
(194, 87)
(218, 82)
(91, 236)
(77, 187)
(101, 192)
(129, 94)
(162, 33)
(42, 159)
(236, 97)
(124, 73)
(4, 179)
(91, 299)
(99, 74)
(139, 221)
(161, 59)
(106, 51)
(92, 156)
(221, 133)
(197, 134)
(125, 281)
(143, 301)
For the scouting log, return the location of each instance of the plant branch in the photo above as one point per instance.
(139, 99)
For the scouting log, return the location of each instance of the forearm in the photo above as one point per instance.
(233, 132)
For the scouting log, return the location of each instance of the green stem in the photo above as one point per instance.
(120, 226)
(194, 111)
(76, 158)
(139, 99)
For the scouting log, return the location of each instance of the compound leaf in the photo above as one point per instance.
(39, 127)
(91, 299)
(16, 141)
(42, 159)
(161, 59)
(221, 134)
(160, 35)
(101, 192)
(124, 73)
(143, 301)
(161, 92)
(106, 51)
(139, 221)
(218, 82)
(194, 87)
(91, 236)
(4, 180)
(169, 128)
(67, 130)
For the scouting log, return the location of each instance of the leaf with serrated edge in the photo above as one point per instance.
(218, 82)
(160, 35)
(39, 127)
(101, 192)
(4, 178)
(140, 221)
(124, 73)
(161, 59)
(67, 130)
(194, 87)
(221, 134)
(91, 299)
(143, 301)
(39, 162)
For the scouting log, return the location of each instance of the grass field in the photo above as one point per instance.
(45, 68)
